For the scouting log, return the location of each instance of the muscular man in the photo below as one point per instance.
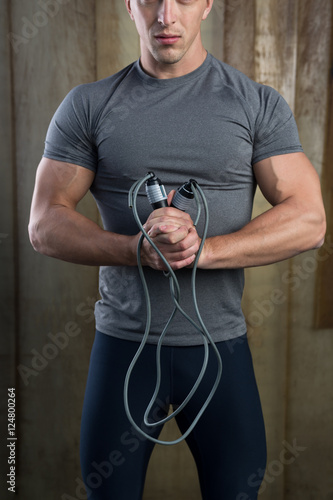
(183, 114)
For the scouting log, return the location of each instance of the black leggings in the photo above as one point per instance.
(228, 443)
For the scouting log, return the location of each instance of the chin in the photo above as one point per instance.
(168, 58)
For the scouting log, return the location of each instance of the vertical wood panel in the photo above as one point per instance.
(117, 38)
(276, 46)
(312, 76)
(212, 30)
(54, 51)
(239, 35)
(324, 289)
(275, 56)
(310, 404)
(57, 54)
(7, 236)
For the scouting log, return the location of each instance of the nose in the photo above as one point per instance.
(167, 14)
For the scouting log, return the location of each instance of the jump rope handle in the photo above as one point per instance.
(157, 196)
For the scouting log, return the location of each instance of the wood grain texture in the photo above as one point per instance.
(212, 30)
(8, 274)
(58, 54)
(324, 289)
(266, 293)
(117, 38)
(285, 44)
(309, 397)
(239, 35)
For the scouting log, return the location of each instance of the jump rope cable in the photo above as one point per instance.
(175, 294)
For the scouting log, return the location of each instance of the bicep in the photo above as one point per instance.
(288, 176)
(60, 183)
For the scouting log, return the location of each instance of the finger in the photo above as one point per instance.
(180, 264)
(190, 242)
(157, 230)
(180, 251)
(170, 196)
(168, 215)
(178, 240)
(176, 259)
(163, 229)
(179, 246)
(170, 235)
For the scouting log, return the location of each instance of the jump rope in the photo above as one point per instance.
(183, 197)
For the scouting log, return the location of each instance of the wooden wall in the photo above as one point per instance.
(46, 48)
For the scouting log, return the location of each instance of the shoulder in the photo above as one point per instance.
(95, 91)
(256, 95)
(85, 103)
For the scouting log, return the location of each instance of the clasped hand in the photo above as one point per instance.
(174, 234)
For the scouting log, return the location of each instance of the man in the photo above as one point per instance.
(191, 116)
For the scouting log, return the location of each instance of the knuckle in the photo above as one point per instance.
(183, 246)
(169, 211)
(173, 239)
(163, 219)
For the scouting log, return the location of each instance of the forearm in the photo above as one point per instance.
(65, 234)
(280, 233)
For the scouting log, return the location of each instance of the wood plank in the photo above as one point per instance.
(212, 30)
(324, 289)
(310, 404)
(239, 35)
(51, 55)
(114, 29)
(275, 65)
(58, 52)
(8, 283)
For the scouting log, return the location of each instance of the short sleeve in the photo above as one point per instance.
(275, 128)
(69, 138)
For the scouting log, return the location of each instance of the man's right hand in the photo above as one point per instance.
(174, 234)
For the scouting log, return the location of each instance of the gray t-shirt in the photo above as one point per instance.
(212, 125)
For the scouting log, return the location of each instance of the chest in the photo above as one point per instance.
(203, 135)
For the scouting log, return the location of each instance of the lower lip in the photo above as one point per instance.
(167, 41)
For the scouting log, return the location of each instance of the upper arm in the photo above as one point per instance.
(289, 176)
(59, 184)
